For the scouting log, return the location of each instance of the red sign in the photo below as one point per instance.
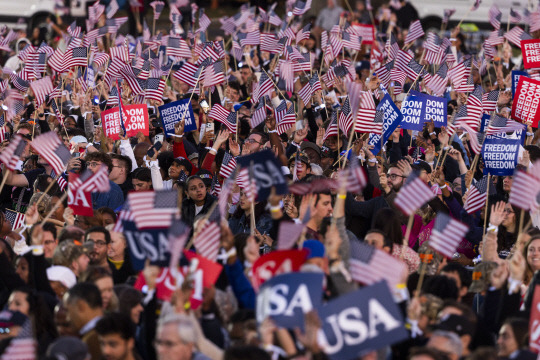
(534, 324)
(526, 101)
(135, 120)
(275, 263)
(80, 201)
(531, 53)
(203, 274)
(367, 32)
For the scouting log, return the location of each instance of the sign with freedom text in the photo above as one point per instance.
(500, 155)
(135, 119)
(174, 112)
(526, 100)
(392, 118)
(530, 50)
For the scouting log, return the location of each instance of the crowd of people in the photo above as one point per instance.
(70, 284)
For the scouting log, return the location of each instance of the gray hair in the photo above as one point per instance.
(187, 330)
(453, 339)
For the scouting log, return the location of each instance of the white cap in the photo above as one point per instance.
(63, 275)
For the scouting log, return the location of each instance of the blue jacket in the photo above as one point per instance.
(113, 199)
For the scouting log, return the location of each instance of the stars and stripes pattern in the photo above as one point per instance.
(158, 7)
(524, 192)
(355, 175)
(413, 194)
(92, 182)
(228, 165)
(41, 89)
(500, 124)
(153, 209)
(415, 32)
(51, 148)
(365, 121)
(207, 241)
(446, 235)
(15, 218)
(155, 88)
(369, 265)
(224, 116)
(477, 195)
(11, 155)
(495, 17)
(516, 34)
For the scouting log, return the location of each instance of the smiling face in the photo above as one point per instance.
(533, 255)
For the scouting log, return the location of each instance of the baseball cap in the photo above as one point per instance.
(185, 162)
(422, 165)
(315, 247)
(457, 324)
(68, 347)
(206, 177)
(12, 318)
(302, 157)
(310, 145)
(429, 258)
(481, 276)
(63, 275)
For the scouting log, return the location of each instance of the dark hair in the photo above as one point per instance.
(433, 353)
(464, 274)
(466, 311)
(99, 229)
(87, 292)
(50, 227)
(71, 233)
(116, 323)
(124, 160)
(234, 85)
(387, 220)
(99, 156)
(39, 312)
(105, 210)
(94, 273)
(264, 137)
(165, 160)
(441, 286)
(534, 152)
(128, 298)
(142, 174)
(318, 196)
(386, 239)
(42, 183)
(191, 178)
(520, 328)
(247, 352)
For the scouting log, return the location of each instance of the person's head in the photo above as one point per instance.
(106, 216)
(387, 221)
(68, 347)
(141, 179)
(61, 279)
(441, 286)
(177, 166)
(256, 141)
(100, 238)
(72, 256)
(532, 253)
(94, 160)
(139, 151)
(83, 303)
(460, 319)
(22, 268)
(460, 275)
(121, 167)
(196, 190)
(513, 335)
(22, 300)
(117, 246)
(234, 91)
(395, 177)
(116, 333)
(425, 353)
(129, 301)
(63, 326)
(322, 206)
(378, 239)
(176, 338)
(507, 183)
(312, 151)
(102, 278)
(50, 241)
(446, 342)
(302, 169)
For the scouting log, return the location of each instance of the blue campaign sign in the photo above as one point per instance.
(515, 79)
(500, 155)
(484, 122)
(151, 244)
(436, 110)
(172, 113)
(286, 298)
(266, 170)
(367, 319)
(392, 118)
(413, 110)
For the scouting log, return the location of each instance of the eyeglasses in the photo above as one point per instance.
(166, 343)
(94, 163)
(395, 176)
(251, 141)
(97, 243)
(48, 242)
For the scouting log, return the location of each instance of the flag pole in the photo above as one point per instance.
(60, 201)
(4, 179)
(521, 216)
(46, 191)
(422, 273)
(487, 203)
(407, 234)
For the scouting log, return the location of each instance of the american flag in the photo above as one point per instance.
(74, 30)
(495, 37)
(516, 34)
(288, 234)
(524, 190)
(413, 194)
(19, 83)
(303, 34)
(112, 8)
(178, 235)
(332, 129)
(466, 86)
(204, 20)
(178, 47)
(285, 117)
(269, 42)
(534, 21)
(224, 116)
(446, 235)
(495, 17)
(214, 74)
(414, 69)
(438, 82)
(227, 165)
(305, 93)
(476, 5)
(41, 89)
(274, 19)
(11, 155)
(16, 219)
(75, 57)
(489, 100)
(95, 11)
(207, 241)
(21, 349)
(155, 88)
(392, 47)
(369, 265)
(51, 148)
(301, 7)
(61, 182)
(158, 8)
(355, 175)
(476, 195)
(365, 121)
(188, 74)
(129, 76)
(250, 38)
(514, 16)
(447, 14)
(476, 138)
(499, 124)
(153, 209)
(352, 41)
(92, 182)
(402, 59)
(465, 117)
(415, 32)
(264, 87)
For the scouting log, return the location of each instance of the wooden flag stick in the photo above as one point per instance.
(461, 21)
(423, 266)
(46, 191)
(4, 178)
(204, 219)
(487, 204)
(521, 216)
(60, 201)
(407, 234)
